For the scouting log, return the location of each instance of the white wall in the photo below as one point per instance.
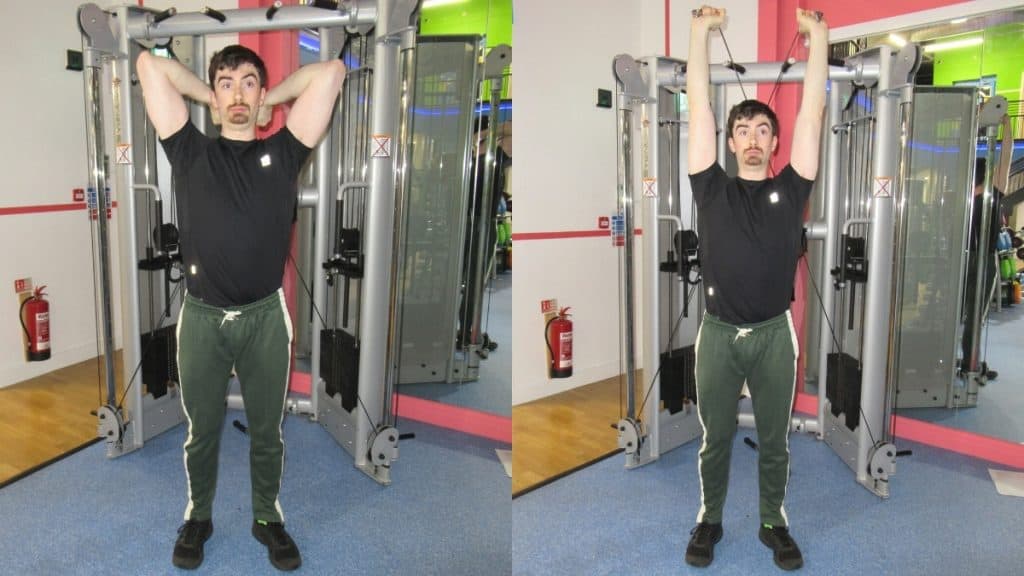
(564, 179)
(43, 160)
(565, 174)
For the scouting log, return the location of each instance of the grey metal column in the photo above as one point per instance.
(403, 186)
(376, 296)
(830, 244)
(650, 266)
(97, 42)
(879, 293)
(632, 90)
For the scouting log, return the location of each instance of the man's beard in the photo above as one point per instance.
(753, 159)
(239, 116)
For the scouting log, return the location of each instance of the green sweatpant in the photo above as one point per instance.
(764, 356)
(255, 340)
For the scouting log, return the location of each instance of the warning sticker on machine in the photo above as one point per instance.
(650, 187)
(382, 146)
(883, 187)
(123, 154)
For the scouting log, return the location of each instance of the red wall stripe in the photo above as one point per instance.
(43, 208)
(525, 236)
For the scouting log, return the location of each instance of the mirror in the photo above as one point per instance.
(440, 210)
(977, 51)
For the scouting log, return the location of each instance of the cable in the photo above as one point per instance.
(316, 310)
(654, 377)
(733, 65)
(824, 314)
(782, 70)
(145, 351)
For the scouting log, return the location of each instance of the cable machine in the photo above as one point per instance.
(111, 41)
(665, 416)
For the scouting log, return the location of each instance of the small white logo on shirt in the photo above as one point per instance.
(265, 160)
(773, 197)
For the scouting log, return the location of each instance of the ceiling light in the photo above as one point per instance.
(953, 44)
(898, 40)
(958, 21)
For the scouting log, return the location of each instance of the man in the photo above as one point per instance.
(475, 218)
(1000, 181)
(750, 229)
(236, 198)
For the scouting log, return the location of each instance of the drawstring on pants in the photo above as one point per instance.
(742, 333)
(229, 316)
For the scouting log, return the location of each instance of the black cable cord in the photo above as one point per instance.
(732, 64)
(831, 327)
(782, 70)
(654, 377)
(316, 310)
(145, 351)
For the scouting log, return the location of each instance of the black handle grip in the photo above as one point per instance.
(164, 15)
(216, 15)
(273, 9)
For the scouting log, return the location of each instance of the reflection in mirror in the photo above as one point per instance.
(451, 325)
(456, 278)
(965, 62)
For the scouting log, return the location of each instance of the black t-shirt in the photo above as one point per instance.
(994, 227)
(750, 240)
(236, 202)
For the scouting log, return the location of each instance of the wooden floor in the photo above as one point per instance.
(556, 434)
(48, 416)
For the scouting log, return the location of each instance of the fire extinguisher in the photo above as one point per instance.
(558, 336)
(37, 310)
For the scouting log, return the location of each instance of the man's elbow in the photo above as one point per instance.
(143, 61)
(336, 70)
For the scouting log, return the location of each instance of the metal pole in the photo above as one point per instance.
(380, 211)
(403, 188)
(899, 253)
(131, 315)
(650, 305)
(351, 13)
(92, 74)
(322, 234)
(829, 246)
(879, 285)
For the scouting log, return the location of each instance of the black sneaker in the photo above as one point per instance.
(701, 549)
(188, 549)
(284, 554)
(787, 554)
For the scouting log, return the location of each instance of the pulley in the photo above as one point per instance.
(384, 446)
(630, 436)
(111, 425)
(882, 461)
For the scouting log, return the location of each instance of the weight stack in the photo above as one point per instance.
(843, 387)
(160, 359)
(678, 378)
(339, 366)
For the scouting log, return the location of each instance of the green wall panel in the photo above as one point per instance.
(1000, 55)
(492, 18)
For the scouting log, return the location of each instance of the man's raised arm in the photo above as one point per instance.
(807, 130)
(314, 87)
(701, 148)
(1001, 177)
(165, 85)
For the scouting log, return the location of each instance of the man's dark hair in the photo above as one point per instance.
(749, 109)
(979, 171)
(232, 57)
